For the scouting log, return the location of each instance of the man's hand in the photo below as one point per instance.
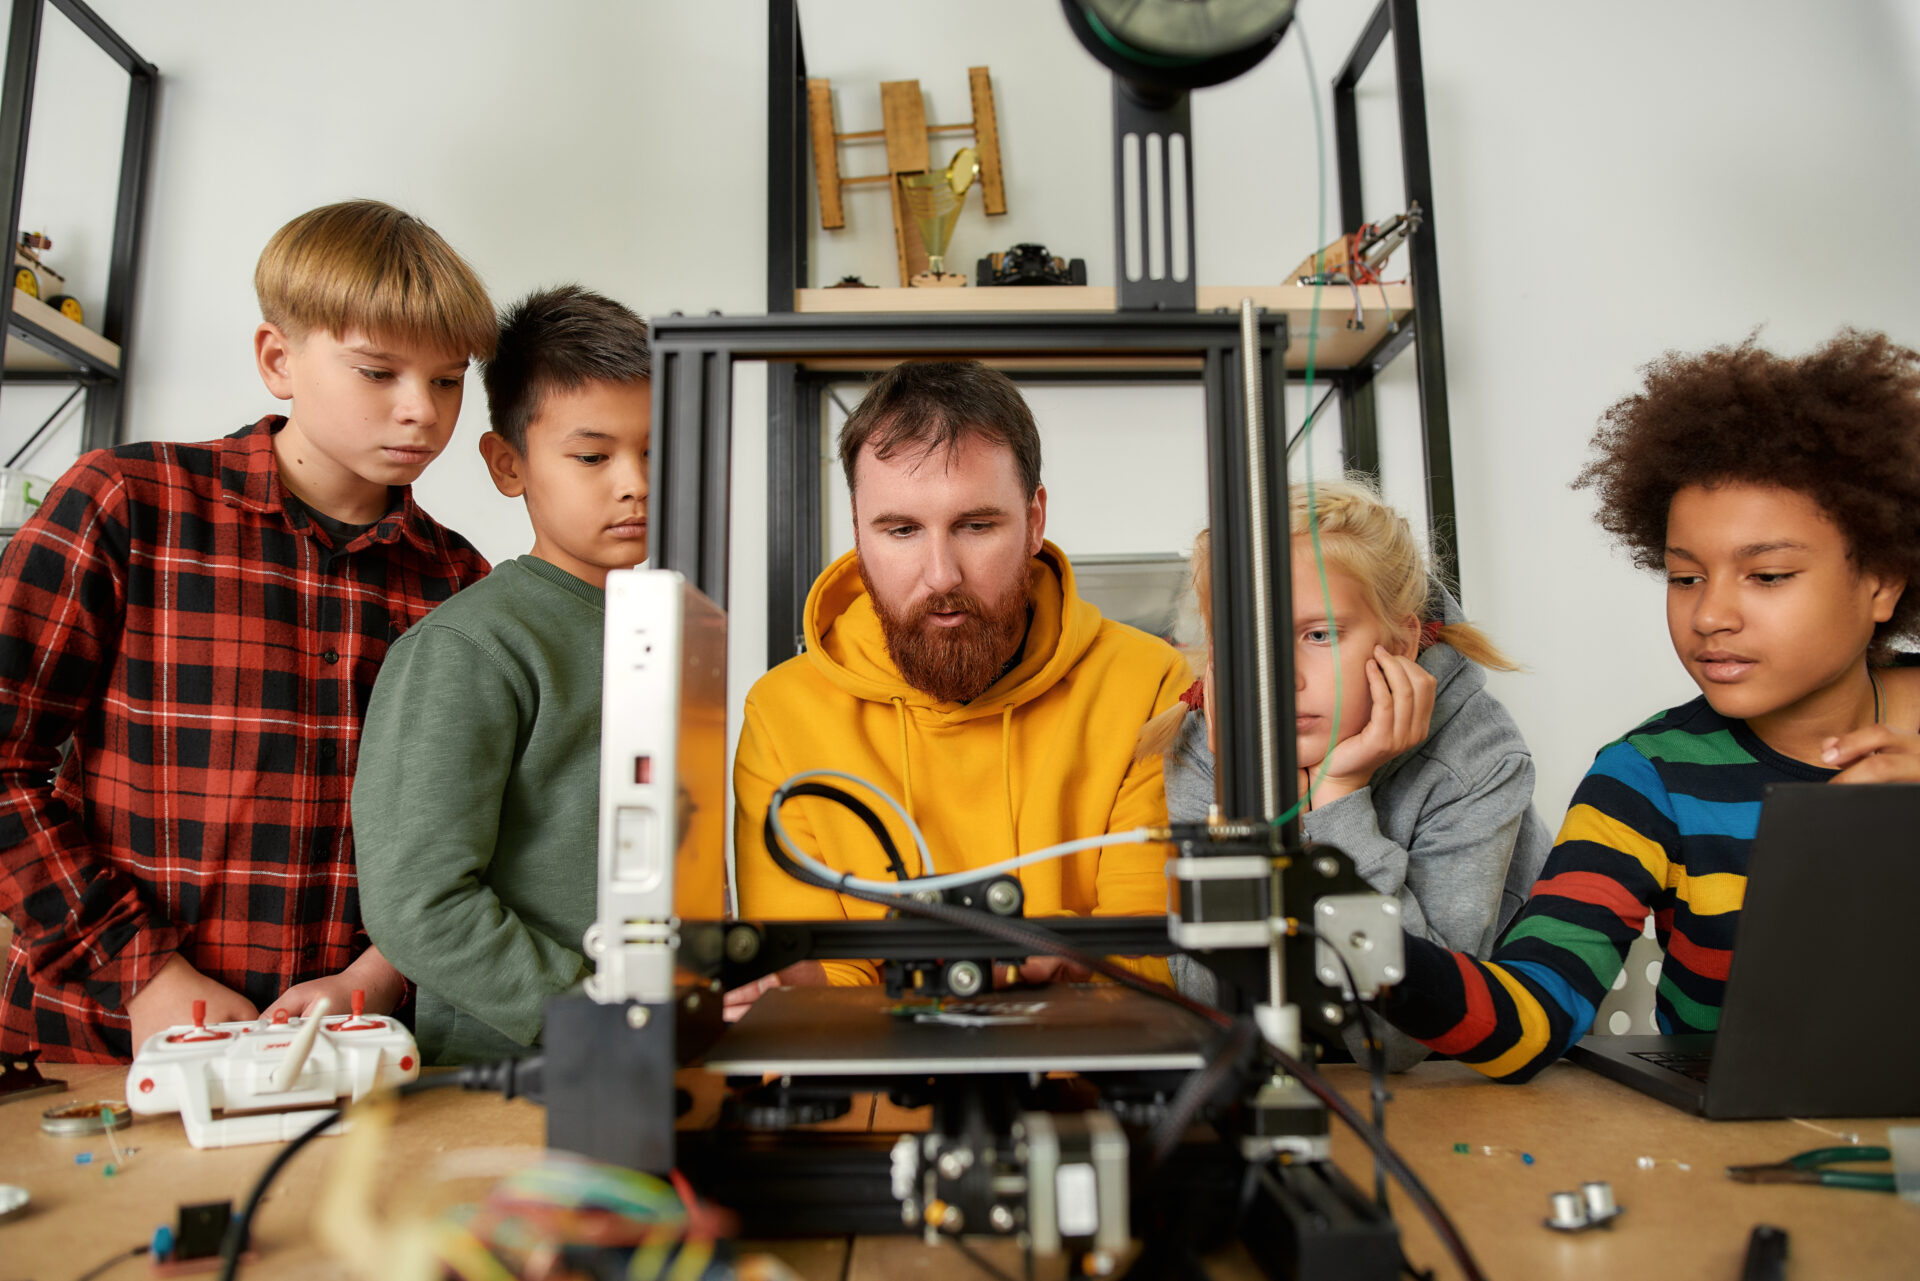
(1401, 719)
(1876, 754)
(800, 974)
(167, 1001)
(370, 973)
(1039, 970)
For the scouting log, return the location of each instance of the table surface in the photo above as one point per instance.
(1682, 1218)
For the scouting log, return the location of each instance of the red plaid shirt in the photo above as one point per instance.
(209, 653)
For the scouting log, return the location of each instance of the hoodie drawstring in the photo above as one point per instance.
(1006, 782)
(906, 766)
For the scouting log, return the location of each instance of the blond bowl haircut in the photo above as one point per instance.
(1370, 543)
(363, 266)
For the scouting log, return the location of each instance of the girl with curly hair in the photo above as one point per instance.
(1781, 500)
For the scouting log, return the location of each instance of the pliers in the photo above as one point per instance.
(1811, 1167)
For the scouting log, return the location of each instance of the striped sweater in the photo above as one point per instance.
(1661, 824)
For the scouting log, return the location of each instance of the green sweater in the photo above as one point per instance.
(475, 808)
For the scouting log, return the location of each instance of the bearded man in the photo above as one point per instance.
(951, 663)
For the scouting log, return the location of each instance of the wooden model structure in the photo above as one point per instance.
(907, 134)
(28, 269)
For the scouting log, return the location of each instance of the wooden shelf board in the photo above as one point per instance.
(851, 365)
(23, 356)
(1337, 347)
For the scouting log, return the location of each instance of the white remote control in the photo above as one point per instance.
(270, 1079)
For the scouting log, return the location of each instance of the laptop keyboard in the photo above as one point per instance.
(1688, 1065)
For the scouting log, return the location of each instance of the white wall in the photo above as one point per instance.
(618, 145)
(1610, 182)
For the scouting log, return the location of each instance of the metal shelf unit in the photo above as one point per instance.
(105, 381)
(794, 394)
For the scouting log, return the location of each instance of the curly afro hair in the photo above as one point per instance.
(1840, 425)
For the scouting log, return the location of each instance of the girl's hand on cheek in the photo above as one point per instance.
(1402, 715)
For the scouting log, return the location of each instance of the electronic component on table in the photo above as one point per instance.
(193, 1243)
(77, 1119)
(1592, 1206)
(280, 1072)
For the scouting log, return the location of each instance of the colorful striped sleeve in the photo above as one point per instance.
(1514, 1014)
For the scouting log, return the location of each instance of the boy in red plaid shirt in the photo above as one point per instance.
(200, 625)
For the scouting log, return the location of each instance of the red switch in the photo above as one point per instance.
(200, 1032)
(359, 1022)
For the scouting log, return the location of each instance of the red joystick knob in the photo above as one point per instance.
(200, 1030)
(280, 1017)
(358, 1022)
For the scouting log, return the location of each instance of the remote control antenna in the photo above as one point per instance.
(289, 1070)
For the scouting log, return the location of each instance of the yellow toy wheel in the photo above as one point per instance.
(26, 282)
(68, 306)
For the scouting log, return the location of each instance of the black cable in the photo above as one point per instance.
(1312, 414)
(1039, 940)
(234, 1244)
(1195, 1091)
(1417, 1192)
(867, 815)
(101, 1269)
(475, 1076)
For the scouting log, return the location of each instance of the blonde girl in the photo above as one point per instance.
(1408, 764)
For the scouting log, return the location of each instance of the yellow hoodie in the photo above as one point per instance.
(1045, 755)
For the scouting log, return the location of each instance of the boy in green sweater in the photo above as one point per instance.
(476, 806)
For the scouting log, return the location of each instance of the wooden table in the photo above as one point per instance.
(1678, 1222)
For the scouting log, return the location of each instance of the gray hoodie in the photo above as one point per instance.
(1447, 826)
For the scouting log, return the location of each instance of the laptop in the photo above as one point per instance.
(1819, 1011)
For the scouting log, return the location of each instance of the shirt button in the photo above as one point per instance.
(326, 751)
(308, 952)
(330, 656)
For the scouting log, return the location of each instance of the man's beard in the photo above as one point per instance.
(953, 664)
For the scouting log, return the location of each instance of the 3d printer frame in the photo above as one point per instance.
(611, 1063)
